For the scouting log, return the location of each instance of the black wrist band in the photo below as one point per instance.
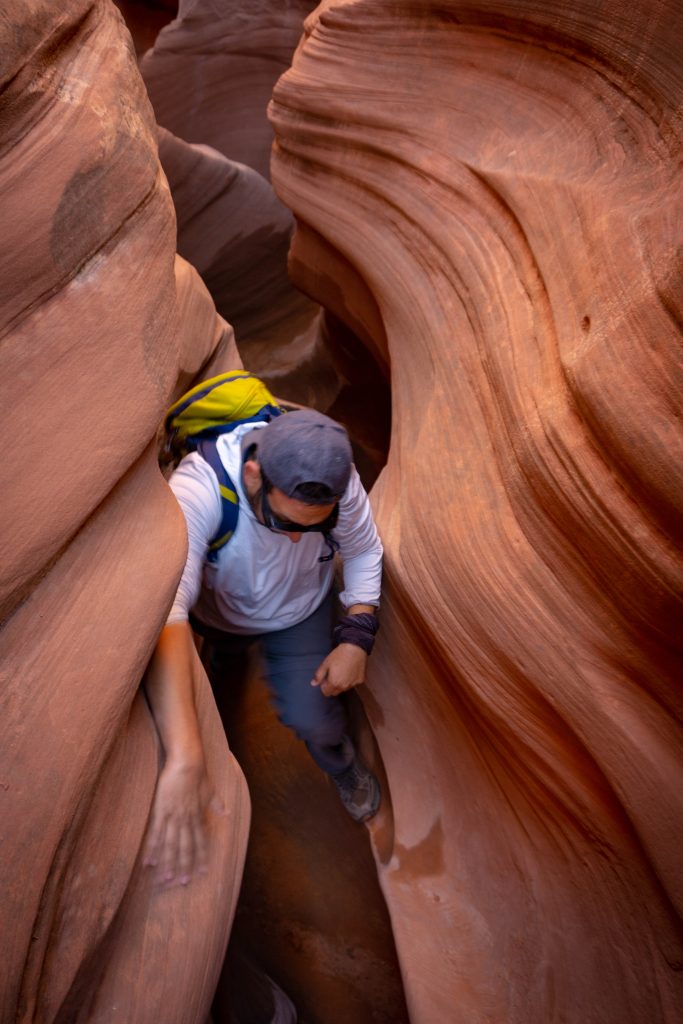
(357, 629)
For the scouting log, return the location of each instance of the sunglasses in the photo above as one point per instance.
(287, 526)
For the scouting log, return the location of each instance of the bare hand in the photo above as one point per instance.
(176, 840)
(342, 669)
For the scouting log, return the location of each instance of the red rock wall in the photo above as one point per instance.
(100, 326)
(500, 182)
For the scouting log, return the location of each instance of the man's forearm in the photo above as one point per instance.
(176, 845)
(170, 691)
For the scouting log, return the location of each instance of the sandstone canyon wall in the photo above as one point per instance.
(500, 182)
(101, 326)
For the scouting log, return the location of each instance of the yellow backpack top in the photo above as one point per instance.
(212, 408)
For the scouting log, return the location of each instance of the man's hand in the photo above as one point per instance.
(176, 839)
(342, 669)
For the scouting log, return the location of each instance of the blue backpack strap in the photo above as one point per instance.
(229, 498)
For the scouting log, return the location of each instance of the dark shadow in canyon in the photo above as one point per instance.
(311, 915)
(145, 19)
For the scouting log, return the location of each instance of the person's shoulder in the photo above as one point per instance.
(354, 488)
(193, 474)
(354, 500)
(191, 465)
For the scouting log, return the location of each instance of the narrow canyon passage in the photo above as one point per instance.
(310, 913)
(454, 227)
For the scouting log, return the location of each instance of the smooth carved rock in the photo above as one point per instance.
(101, 325)
(211, 72)
(502, 181)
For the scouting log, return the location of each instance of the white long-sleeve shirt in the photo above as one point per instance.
(261, 581)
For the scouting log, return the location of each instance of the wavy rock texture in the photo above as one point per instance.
(211, 72)
(500, 184)
(100, 327)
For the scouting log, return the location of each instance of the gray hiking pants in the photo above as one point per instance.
(291, 657)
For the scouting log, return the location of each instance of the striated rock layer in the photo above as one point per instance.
(101, 326)
(499, 182)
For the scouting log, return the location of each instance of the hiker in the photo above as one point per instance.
(268, 579)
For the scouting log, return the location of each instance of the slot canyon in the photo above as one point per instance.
(455, 227)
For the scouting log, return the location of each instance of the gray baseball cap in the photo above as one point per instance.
(301, 447)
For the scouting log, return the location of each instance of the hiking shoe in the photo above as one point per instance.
(359, 790)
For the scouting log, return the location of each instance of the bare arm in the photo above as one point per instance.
(176, 840)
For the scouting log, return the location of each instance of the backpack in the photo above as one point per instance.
(195, 422)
